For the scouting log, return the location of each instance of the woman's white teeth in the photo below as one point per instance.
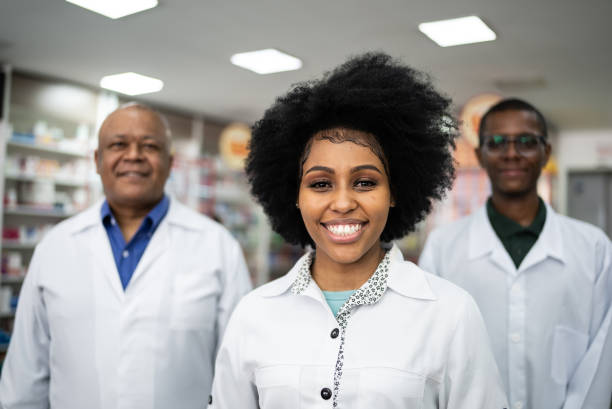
(343, 229)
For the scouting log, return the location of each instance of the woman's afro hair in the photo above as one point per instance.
(372, 93)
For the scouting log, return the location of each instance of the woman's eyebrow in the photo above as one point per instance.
(362, 167)
(322, 168)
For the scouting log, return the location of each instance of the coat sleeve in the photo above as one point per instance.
(233, 386)
(237, 283)
(471, 379)
(591, 384)
(25, 374)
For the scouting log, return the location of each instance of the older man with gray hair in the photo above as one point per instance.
(124, 304)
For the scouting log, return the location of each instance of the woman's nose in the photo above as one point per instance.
(343, 200)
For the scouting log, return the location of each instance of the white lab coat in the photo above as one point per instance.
(549, 320)
(81, 341)
(422, 345)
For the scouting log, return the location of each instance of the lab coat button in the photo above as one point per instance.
(326, 393)
(210, 399)
(516, 338)
(334, 333)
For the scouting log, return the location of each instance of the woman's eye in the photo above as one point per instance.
(365, 184)
(319, 185)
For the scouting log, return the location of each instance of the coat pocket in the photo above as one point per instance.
(278, 386)
(568, 348)
(390, 388)
(194, 301)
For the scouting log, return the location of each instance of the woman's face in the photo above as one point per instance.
(344, 198)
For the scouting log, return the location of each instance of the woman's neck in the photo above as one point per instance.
(331, 275)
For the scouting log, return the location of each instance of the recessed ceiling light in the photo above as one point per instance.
(115, 8)
(131, 83)
(457, 31)
(266, 61)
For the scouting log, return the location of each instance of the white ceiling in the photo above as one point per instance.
(563, 47)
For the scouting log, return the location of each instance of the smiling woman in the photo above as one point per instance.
(346, 164)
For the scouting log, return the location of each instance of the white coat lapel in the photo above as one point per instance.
(549, 243)
(158, 246)
(483, 241)
(90, 235)
(102, 255)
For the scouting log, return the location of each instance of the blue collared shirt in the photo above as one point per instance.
(127, 255)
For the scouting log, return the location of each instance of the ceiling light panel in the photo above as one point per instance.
(115, 8)
(266, 61)
(457, 31)
(131, 83)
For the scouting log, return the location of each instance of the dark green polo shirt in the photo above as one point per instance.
(517, 239)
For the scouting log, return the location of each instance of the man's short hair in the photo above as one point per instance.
(162, 118)
(512, 104)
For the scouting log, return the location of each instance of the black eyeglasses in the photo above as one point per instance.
(525, 144)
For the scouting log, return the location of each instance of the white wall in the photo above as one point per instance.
(581, 150)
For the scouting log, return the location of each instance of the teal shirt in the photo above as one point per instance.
(517, 239)
(336, 299)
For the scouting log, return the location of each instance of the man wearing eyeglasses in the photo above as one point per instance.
(542, 281)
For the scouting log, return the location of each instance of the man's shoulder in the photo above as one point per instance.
(448, 232)
(82, 220)
(188, 220)
(577, 228)
(181, 215)
(58, 234)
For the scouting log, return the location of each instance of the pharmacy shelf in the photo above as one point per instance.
(57, 181)
(36, 212)
(13, 245)
(224, 193)
(5, 315)
(12, 279)
(26, 148)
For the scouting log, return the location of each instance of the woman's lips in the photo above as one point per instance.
(347, 232)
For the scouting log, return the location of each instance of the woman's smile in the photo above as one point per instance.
(344, 231)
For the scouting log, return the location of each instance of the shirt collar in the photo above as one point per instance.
(369, 293)
(483, 240)
(153, 218)
(402, 277)
(505, 227)
(378, 280)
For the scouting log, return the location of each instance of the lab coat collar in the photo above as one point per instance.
(177, 215)
(90, 222)
(87, 218)
(284, 283)
(482, 240)
(549, 243)
(405, 278)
